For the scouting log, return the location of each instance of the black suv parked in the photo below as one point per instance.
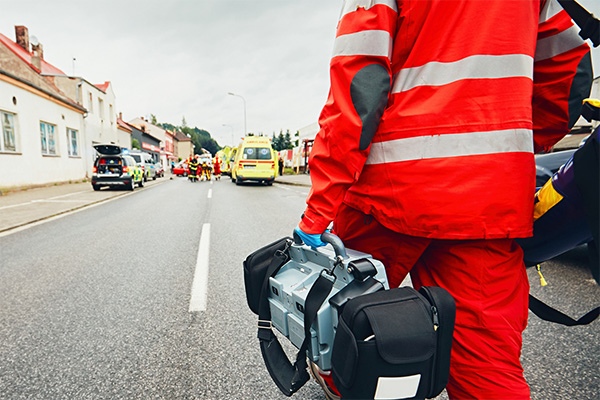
(113, 168)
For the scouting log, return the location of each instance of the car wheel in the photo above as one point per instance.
(238, 182)
(132, 186)
(142, 183)
(154, 178)
(269, 183)
(96, 187)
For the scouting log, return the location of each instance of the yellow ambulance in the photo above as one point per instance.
(255, 160)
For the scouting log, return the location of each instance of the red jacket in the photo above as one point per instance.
(435, 109)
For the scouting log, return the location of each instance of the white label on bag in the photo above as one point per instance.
(402, 387)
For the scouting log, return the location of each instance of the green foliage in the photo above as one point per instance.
(135, 144)
(201, 138)
(281, 141)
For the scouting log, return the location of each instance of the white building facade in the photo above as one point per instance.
(49, 121)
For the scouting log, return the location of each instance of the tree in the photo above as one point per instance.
(153, 119)
(287, 141)
(183, 122)
(135, 144)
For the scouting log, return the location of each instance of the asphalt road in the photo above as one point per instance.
(96, 305)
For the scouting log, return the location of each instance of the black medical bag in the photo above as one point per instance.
(394, 344)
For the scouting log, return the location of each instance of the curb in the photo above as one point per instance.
(291, 183)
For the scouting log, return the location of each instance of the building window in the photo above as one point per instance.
(91, 103)
(7, 140)
(101, 108)
(48, 138)
(73, 141)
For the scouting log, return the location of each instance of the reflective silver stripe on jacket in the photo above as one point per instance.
(451, 145)
(353, 5)
(550, 9)
(473, 67)
(364, 43)
(558, 44)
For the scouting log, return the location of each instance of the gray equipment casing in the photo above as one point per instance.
(290, 286)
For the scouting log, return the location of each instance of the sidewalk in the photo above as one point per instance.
(297, 180)
(25, 207)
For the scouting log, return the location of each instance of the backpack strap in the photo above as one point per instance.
(590, 25)
(547, 313)
(288, 378)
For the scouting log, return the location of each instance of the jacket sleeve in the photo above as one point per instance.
(562, 76)
(360, 74)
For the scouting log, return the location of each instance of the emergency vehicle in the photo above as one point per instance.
(255, 160)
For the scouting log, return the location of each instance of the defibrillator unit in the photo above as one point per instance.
(334, 304)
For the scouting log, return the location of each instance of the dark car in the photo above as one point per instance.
(113, 168)
(547, 164)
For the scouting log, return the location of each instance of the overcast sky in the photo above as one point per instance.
(176, 58)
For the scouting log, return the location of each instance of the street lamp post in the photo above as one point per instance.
(231, 127)
(244, 100)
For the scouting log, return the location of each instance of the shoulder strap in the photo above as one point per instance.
(590, 25)
(550, 314)
(288, 378)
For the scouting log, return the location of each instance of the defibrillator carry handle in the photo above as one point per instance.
(336, 242)
(328, 237)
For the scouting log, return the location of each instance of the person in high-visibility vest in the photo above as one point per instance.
(425, 157)
(193, 167)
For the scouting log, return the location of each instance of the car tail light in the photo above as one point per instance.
(125, 170)
(94, 170)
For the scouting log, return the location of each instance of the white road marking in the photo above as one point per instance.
(209, 193)
(68, 194)
(200, 283)
(57, 201)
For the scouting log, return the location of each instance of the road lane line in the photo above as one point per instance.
(200, 283)
(209, 193)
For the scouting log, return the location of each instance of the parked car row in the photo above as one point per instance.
(117, 168)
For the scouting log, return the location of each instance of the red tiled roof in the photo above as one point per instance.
(103, 86)
(47, 68)
(181, 137)
(124, 125)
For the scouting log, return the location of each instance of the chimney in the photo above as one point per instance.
(37, 55)
(120, 115)
(22, 35)
(37, 49)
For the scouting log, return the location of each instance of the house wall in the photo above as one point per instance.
(100, 122)
(27, 166)
(124, 138)
(184, 149)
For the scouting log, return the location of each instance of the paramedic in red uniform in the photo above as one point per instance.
(424, 157)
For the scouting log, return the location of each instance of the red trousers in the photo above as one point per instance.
(488, 281)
